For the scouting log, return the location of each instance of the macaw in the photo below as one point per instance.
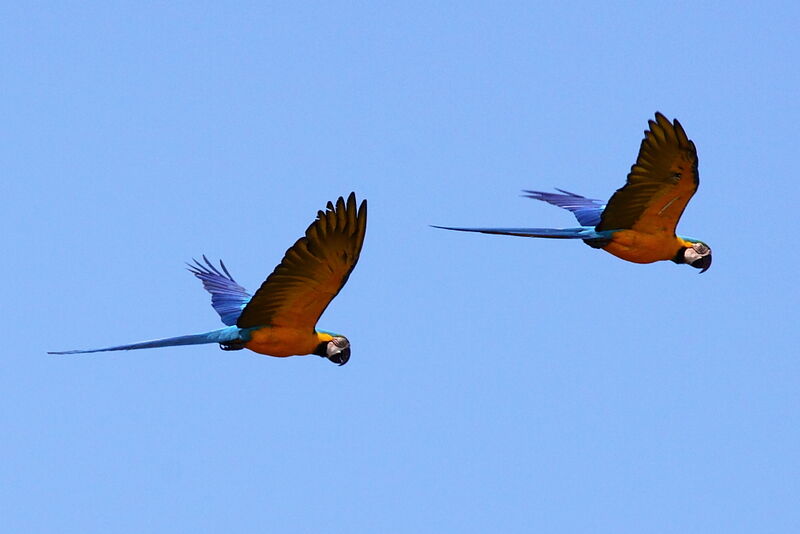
(280, 319)
(638, 222)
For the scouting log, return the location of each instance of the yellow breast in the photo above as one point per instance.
(638, 247)
(282, 341)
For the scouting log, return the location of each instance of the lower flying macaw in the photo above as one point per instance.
(280, 319)
(638, 222)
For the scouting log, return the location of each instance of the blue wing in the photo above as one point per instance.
(586, 210)
(227, 297)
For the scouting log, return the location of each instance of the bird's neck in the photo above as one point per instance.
(323, 336)
(683, 244)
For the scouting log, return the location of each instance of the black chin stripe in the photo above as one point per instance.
(322, 349)
(679, 257)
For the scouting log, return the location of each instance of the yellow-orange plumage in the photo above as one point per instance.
(640, 247)
(646, 210)
(285, 309)
(284, 341)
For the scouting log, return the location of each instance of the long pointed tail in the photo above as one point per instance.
(583, 232)
(217, 336)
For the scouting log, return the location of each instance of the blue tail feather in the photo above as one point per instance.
(583, 232)
(222, 335)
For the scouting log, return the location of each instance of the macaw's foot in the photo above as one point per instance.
(232, 345)
(598, 242)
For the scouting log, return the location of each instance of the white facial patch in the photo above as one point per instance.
(691, 256)
(337, 345)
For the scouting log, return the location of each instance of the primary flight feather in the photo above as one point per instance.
(280, 319)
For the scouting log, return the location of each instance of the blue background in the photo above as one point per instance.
(497, 384)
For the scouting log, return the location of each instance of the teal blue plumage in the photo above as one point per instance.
(223, 336)
(228, 299)
(586, 210)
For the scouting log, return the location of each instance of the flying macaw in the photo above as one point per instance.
(280, 319)
(638, 222)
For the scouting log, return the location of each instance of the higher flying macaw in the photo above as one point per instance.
(280, 319)
(638, 222)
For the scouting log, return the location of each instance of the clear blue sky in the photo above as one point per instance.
(497, 384)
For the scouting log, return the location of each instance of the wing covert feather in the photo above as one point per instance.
(660, 184)
(312, 271)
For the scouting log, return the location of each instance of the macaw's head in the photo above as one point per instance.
(336, 350)
(698, 255)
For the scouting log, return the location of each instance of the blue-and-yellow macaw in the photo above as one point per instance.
(280, 319)
(638, 222)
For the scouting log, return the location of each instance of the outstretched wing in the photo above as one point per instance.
(312, 271)
(660, 184)
(586, 210)
(227, 297)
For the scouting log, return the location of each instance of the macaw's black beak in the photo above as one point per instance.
(703, 263)
(341, 357)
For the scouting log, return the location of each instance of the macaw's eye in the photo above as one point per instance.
(701, 248)
(340, 342)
